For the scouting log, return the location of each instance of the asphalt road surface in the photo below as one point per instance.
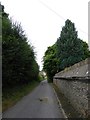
(41, 103)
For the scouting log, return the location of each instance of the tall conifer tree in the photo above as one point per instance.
(69, 47)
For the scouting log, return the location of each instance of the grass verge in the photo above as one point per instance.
(66, 105)
(13, 95)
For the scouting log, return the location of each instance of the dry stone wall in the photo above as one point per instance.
(74, 83)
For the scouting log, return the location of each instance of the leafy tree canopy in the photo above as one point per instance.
(50, 62)
(67, 50)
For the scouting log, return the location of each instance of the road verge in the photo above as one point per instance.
(12, 95)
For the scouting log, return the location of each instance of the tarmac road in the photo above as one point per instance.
(41, 103)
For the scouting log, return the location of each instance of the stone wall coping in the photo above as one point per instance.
(84, 62)
(74, 78)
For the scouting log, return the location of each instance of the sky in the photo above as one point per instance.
(42, 20)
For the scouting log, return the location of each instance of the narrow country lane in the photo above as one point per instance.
(41, 103)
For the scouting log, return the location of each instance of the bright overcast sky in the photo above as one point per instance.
(43, 20)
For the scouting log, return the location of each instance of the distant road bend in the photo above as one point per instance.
(41, 103)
